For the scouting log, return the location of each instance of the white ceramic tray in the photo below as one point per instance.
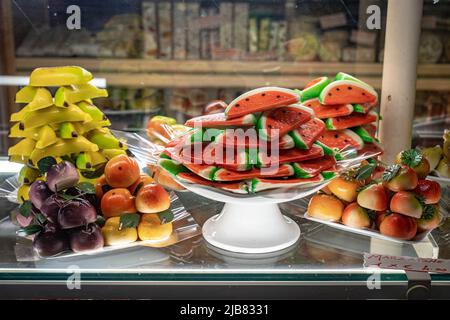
(367, 232)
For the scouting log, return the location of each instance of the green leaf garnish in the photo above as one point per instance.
(100, 221)
(45, 164)
(106, 188)
(31, 229)
(364, 172)
(428, 212)
(166, 216)
(411, 158)
(129, 220)
(390, 172)
(95, 173)
(86, 187)
(372, 214)
(138, 187)
(25, 208)
(421, 200)
(39, 218)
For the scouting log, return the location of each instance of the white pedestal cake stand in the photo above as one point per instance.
(251, 224)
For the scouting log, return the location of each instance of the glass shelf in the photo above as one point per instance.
(323, 256)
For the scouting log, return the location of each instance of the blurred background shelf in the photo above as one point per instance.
(230, 74)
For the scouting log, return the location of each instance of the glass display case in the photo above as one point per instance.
(171, 58)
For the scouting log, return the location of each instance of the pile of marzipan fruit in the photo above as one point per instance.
(287, 121)
(60, 121)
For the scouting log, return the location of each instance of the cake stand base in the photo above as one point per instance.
(251, 228)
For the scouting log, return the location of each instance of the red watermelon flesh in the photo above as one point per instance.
(265, 159)
(308, 132)
(280, 121)
(260, 99)
(251, 140)
(311, 168)
(331, 111)
(353, 120)
(341, 139)
(284, 170)
(347, 91)
(219, 120)
(313, 82)
(371, 148)
(237, 160)
(371, 128)
(235, 187)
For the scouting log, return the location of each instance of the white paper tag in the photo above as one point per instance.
(406, 263)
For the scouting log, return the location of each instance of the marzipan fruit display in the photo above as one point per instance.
(67, 125)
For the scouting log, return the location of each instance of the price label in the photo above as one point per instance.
(407, 263)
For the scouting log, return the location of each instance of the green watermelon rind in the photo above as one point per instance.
(256, 91)
(363, 134)
(255, 182)
(260, 126)
(327, 175)
(163, 155)
(346, 76)
(288, 141)
(299, 172)
(360, 84)
(315, 90)
(172, 167)
(329, 124)
(357, 107)
(298, 140)
(211, 134)
(329, 151)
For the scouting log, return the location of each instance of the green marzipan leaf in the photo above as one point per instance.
(365, 172)
(372, 214)
(100, 221)
(390, 172)
(26, 231)
(25, 208)
(411, 157)
(428, 212)
(130, 220)
(96, 173)
(138, 187)
(86, 187)
(421, 200)
(45, 164)
(39, 218)
(68, 196)
(166, 216)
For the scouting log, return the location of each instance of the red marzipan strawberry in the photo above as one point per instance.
(398, 226)
(429, 190)
(414, 159)
(373, 197)
(356, 216)
(430, 218)
(406, 203)
(399, 178)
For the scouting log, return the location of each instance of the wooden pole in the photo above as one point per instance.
(399, 75)
(7, 66)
